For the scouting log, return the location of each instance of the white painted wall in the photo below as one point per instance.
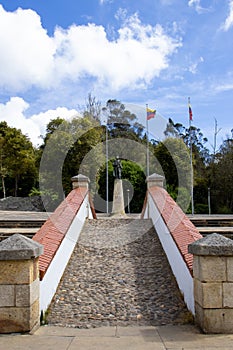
(177, 263)
(49, 284)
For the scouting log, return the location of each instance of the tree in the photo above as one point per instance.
(121, 122)
(3, 169)
(86, 153)
(66, 145)
(93, 107)
(221, 178)
(200, 158)
(17, 159)
(173, 156)
(79, 146)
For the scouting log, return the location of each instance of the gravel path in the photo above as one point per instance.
(118, 274)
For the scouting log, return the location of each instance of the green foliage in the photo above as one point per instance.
(121, 122)
(34, 192)
(181, 196)
(221, 179)
(201, 208)
(201, 192)
(224, 210)
(17, 161)
(64, 150)
(78, 146)
(173, 156)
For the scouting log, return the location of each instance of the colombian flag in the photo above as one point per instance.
(150, 113)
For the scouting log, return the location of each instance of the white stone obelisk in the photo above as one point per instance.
(118, 207)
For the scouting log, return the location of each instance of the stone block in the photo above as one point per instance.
(230, 269)
(211, 269)
(208, 295)
(199, 315)
(16, 319)
(27, 294)
(7, 295)
(35, 315)
(218, 321)
(228, 295)
(198, 292)
(196, 265)
(18, 272)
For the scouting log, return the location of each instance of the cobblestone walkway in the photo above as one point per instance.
(118, 274)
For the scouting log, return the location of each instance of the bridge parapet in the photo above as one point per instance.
(59, 235)
(175, 232)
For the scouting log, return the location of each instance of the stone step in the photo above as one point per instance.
(118, 274)
(22, 220)
(217, 229)
(212, 220)
(7, 232)
(225, 231)
(21, 224)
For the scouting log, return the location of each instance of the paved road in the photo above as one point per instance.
(126, 338)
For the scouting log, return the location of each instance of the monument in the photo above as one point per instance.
(118, 207)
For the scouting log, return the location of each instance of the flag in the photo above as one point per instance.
(190, 112)
(150, 113)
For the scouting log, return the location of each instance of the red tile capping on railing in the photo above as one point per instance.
(51, 234)
(181, 228)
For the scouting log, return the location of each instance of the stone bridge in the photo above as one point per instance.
(88, 272)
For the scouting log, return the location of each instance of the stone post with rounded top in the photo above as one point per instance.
(155, 180)
(80, 181)
(19, 284)
(213, 283)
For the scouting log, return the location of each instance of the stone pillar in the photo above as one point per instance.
(118, 207)
(155, 180)
(213, 283)
(80, 181)
(19, 284)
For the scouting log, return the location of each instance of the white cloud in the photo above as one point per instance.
(229, 20)
(223, 87)
(31, 57)
(13, 112)
(193, 67)
(121, 14)
(197, 5)
(102, 2)
(26, 50)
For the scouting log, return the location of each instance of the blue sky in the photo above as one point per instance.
(53, 53)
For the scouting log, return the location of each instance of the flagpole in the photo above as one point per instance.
(107, 165)
(105, 115)
(147, 146)
(191, 158)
